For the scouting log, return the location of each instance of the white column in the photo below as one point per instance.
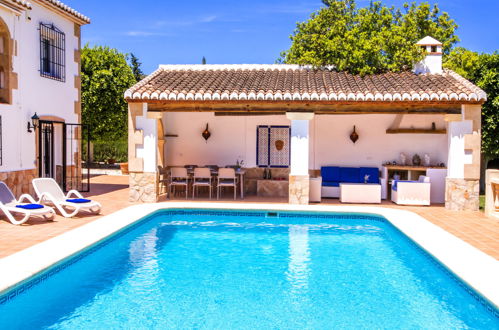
(300, 141)
(457, 156)
(148, 150)
(298, 177)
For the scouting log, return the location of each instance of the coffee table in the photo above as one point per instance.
(360, 193)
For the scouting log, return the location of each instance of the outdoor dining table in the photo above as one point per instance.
(239, 173)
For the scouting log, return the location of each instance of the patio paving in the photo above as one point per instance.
(112, 193)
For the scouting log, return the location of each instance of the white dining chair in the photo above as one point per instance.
(178, 177)
(201, 178)
(226, 178)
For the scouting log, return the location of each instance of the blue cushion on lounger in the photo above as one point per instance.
(372, 172)
(330, 173)
(349, 175)
(30, 206)
(330, 184)
(78, 200)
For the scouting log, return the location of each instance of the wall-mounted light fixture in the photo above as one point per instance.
(206, 133)
(34, 123)
(354, 136)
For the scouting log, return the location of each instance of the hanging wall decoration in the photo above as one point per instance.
(354, 136)
(206, 133)
(279, 144)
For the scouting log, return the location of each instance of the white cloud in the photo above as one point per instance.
(208, 19)
(186, 22)
(145, 34)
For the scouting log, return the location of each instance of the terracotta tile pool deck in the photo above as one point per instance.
(112, 192)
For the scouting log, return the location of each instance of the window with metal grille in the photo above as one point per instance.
(52, 52)
(272, 146)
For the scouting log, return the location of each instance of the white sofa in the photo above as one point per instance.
(412, 192)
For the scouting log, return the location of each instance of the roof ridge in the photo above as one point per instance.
(202, 67)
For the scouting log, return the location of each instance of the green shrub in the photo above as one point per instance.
(106, 150)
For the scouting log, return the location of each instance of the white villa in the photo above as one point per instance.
(39, 74)
(313, 114)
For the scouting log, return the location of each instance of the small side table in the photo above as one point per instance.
(360, 193)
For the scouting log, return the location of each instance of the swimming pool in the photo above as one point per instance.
(249, 269)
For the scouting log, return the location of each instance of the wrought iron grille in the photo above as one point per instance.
(273, 146)
(52, 52)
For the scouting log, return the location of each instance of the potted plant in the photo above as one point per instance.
(124, 168)
(239, 164)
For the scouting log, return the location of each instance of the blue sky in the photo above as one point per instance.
(182, 32)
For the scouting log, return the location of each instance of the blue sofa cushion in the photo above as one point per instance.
(330, 184)
(330, 173)
(349, 175)
(372, 172)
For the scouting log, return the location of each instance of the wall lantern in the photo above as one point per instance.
(354, 136)
(34, 123)
(206, 133)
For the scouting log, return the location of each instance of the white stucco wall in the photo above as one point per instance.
(148, 149)
(234, 137)
(45, 96)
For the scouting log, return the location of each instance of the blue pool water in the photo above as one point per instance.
(230, 270)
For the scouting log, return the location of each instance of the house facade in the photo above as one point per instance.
(296, 120)
(39, 73)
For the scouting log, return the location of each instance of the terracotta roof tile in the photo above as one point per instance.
(59, 5)
(276, 82)
(22, 3)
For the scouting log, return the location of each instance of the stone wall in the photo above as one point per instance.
(19, 181)
(253, 174)
(299, 187)
(143, 187)
(462, 194)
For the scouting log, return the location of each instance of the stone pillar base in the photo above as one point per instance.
(299, 189)
(143, 187)
(462, 194)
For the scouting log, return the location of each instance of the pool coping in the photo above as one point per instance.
(475, 268)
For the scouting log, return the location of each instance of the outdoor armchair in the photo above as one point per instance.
(9, 205)
(49, 192)
(412, 192)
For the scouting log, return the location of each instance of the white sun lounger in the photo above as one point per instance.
(9, 203)
(49, 192)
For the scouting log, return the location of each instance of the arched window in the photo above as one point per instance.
(5, 63)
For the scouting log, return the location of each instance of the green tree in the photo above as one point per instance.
(135, 65)
(105, 76)
(368, 40)
(483, 71)
(203, 61)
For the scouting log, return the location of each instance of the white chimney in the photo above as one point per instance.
(432, 63)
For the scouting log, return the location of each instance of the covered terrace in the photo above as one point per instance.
(313, 113)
